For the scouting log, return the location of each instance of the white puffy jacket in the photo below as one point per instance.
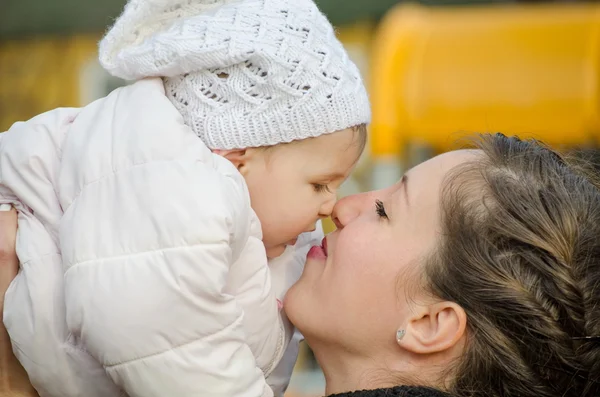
(142, 267)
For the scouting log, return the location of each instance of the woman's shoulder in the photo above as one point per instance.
(399, 391)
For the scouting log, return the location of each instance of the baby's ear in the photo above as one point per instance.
(238, 157)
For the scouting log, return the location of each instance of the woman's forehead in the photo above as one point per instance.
(435, 169)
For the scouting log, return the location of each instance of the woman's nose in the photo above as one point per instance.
(348, 208)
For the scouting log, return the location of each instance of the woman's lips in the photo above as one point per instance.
(318, 252)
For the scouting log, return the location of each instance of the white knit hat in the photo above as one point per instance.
(243, 73)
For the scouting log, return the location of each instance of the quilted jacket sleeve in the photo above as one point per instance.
(146, 252)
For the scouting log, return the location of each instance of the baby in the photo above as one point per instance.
(146, 219)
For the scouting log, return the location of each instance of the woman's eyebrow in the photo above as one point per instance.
(404, 186)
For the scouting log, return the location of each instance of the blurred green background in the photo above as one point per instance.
(28, 17)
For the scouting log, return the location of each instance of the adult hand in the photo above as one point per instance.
(13, 378)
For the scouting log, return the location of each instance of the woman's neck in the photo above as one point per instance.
(345, 371)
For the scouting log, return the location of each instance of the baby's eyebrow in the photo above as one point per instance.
(331, 176)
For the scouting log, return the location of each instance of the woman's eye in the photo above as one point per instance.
(380, 209)
(320, 188)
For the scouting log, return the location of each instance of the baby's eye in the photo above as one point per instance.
(320, 188)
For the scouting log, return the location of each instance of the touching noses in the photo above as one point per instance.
(348, 209)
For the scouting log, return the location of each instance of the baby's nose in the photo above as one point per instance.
(327, 207)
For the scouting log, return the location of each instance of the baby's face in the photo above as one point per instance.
(294, 185)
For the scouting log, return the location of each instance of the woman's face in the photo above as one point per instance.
(357, 293)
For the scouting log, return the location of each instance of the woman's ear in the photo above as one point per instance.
(434, 328)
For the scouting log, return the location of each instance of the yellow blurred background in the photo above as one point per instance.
(435, 72)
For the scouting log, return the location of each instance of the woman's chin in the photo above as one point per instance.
(300, 298)
(302, 309)
(294, 303)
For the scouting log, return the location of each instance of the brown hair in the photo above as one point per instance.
(521, 254)
(362, 136)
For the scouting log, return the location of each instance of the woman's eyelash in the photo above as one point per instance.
(380, 209)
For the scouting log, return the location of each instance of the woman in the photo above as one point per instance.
(478, 274)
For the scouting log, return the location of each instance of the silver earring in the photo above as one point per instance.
(400, 334)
